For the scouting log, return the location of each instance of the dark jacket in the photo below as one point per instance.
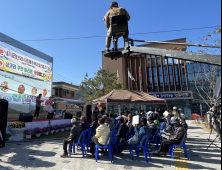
(94, 125)
(85, 125)
(184, 124)
(139, 134)
(75, 133)
(111, 125)
(178, 133)
(154, 128)
(130, 126)
(123, 129)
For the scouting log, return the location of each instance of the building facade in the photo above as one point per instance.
(64, 90)
(166, 78)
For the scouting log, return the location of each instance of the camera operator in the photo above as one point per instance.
(214, 119)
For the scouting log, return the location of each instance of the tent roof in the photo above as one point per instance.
(128, 97)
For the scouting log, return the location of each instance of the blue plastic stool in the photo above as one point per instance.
(143, 144)
(182, 145)
(106, 146)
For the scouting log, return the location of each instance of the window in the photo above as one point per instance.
(67, 91)
(56, 92)
(64, 92)
(72, 94)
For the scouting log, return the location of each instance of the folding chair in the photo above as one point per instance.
(88, 138)
(162, 126)
(155, 140)
(182, 145)
(106, 146)
(114, 142)
(143, 144)
(80, 142)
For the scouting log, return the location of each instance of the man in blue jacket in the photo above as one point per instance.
(139, 134)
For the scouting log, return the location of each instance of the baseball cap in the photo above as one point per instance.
(119, 118)
(175, 120)
(114, 4)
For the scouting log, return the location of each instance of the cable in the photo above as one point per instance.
(75, 38)
(64, 78)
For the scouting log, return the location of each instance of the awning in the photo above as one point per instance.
(128, 97)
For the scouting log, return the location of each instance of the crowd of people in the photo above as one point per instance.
(129, 134)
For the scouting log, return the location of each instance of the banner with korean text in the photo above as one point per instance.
(16, 84)
(14, 62)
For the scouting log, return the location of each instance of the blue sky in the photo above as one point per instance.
(45, 19)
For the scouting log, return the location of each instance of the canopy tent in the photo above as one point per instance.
(128, 97)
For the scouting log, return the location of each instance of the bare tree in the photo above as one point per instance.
(206, 76)
(205, 80)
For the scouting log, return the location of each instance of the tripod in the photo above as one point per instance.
(212, 142)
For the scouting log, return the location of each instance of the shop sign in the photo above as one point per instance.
(173, 95)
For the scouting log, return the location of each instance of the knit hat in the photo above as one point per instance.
(114, 4)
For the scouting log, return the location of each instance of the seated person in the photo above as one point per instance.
(94, 124)
(74, 136)
(100, 138)
(183, 121)
(156, 119)
(139, 134)
(152, 126)
(109, 123)
(123, 129)
(130, 123)
(85, 125)
(175, 138)
(111, 116)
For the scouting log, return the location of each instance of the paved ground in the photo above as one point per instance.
(46, 155)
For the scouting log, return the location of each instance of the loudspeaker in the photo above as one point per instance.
(3, 120)
(88, 113)
(25, 117)
(68, 116)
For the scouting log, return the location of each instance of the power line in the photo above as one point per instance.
(63, 78)
(98, 36)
